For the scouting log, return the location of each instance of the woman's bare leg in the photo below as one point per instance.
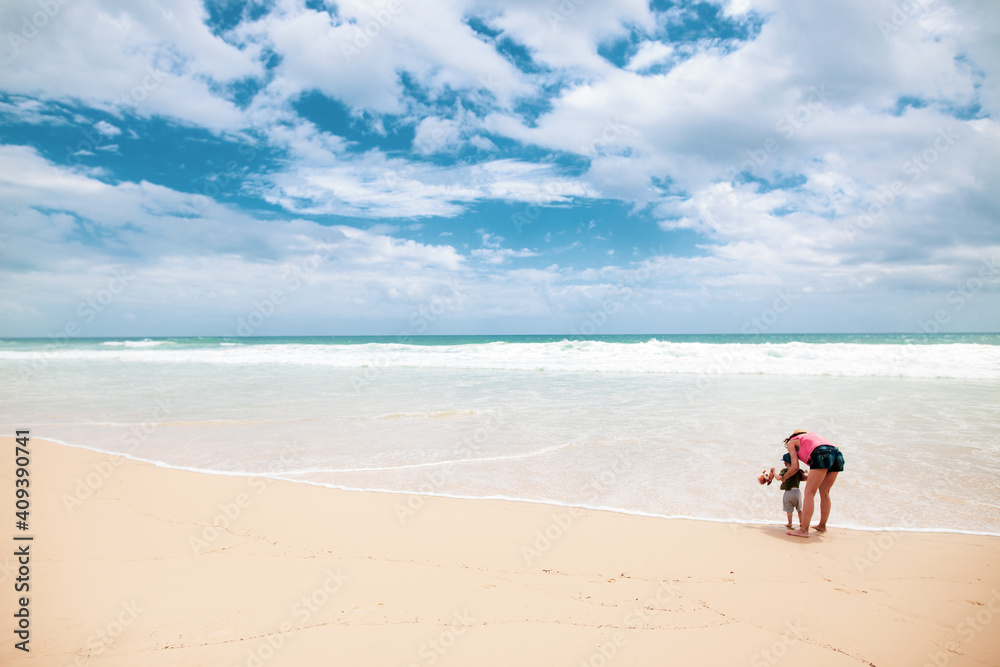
(824, 500)
(813, 484)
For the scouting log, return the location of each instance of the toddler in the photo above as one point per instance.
(791, 501)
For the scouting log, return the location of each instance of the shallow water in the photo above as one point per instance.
(667, 428)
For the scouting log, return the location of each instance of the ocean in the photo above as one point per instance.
(665, 425)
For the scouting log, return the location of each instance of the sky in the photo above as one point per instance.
(310, 167)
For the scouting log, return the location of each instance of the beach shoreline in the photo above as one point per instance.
(425, 493)
(134, 563)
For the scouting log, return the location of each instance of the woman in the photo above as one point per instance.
(825, 462)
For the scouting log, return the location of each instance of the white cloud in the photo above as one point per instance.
(812, 96)
(649, 54)
(25, 110)
(737, 7)
(190, 271)
(107, 129)
(112, 54)
(437, 135)
(483, 144)
(564, 36)
(173, 250)
(377, 186)
(808, 108)
(357, 57)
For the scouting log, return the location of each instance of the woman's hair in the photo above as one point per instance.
(798, 431)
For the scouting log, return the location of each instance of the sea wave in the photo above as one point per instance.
(959, 361)
(438, 464)
(854, 524)
(135, 343)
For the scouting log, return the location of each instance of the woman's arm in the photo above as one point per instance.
(793, 467)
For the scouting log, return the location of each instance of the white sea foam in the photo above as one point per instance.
(959, 361)
(657, 428)
(135, 343)
(436, 464)
(289, 477)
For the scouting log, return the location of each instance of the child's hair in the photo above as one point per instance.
(787, 458)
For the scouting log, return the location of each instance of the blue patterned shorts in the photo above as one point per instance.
(827, 457)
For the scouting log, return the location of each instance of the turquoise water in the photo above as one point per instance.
(817, 339)
(658, 425)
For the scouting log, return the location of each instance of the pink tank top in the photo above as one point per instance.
(808, 442)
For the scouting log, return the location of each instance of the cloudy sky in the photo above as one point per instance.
(281, 167)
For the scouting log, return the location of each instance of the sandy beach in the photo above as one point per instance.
(133, 564)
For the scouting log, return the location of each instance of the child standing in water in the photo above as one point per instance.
(792, 499)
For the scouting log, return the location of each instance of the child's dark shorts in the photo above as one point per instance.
(826, 457)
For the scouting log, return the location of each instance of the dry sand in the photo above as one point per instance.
(135, 575)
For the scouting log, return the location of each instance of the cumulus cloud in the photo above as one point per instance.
(116, 55)
(374, 185)
(650, 53)
(356, 55)
(107, 129)
(176, 251)
(858, 138)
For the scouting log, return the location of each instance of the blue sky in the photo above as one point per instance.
(462, 166)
